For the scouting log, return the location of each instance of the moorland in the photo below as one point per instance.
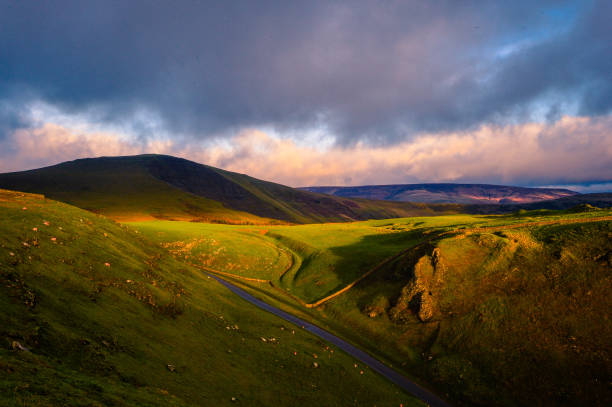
(107, 296)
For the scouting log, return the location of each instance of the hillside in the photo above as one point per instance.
(504, 310)
(92, 313)
(446, 193)
(164, 187)
(501, 316)
(121, 188)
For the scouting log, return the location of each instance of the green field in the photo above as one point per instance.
(485, 310)
(514, 314)
(244, 251)
(93, 313)
(314, 261)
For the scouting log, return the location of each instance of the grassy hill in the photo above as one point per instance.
(505, 317)
(447, 193)
(123, 189)
(491, 310)
(163, 187)
(92, 313)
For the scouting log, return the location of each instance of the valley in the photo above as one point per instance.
(93, 313)
(456, 298)
(129, 296)
(305, 203)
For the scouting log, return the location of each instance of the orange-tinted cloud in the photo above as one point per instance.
(51, 144)
(574, 149)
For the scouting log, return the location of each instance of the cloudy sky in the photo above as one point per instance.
(316, 92)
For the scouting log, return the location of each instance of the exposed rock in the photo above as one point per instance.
(419, 295)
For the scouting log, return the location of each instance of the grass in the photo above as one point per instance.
(520, 317)
(490, 310)
(244, 251)
(318, 249)
(487, 310)
(110, 318)
(123, 190)
(149, 187)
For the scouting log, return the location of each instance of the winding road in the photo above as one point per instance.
(400, 380)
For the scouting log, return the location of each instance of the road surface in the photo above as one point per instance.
(374, 364)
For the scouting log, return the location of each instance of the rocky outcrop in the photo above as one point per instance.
(419, 296)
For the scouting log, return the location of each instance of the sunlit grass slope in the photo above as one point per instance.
(508, 317)
(91, 313)
(302, 259)
(244, 251)
(164, 187)
(491, 310)
(122, 189)
(316, 259)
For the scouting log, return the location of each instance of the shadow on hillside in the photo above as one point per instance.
(357, 259)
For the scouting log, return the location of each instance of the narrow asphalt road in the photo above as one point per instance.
(412, 388)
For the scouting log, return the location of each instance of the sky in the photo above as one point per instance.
(316, 92)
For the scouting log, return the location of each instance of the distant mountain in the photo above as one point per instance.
(165, 187)
(447, 193)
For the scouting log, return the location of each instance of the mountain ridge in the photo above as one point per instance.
(154, 186)
(151, 186)
(446, 193)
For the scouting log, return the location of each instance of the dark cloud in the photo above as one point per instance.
(12, 108)
(367, 69)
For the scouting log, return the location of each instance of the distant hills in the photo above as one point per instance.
(447, 193)
(152, 186)
(165, 187)
(578, 202)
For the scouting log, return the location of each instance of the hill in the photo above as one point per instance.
(92, 313)
(497, 315)
(446, 193)
(164, 187)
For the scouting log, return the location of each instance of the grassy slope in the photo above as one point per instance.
(271, 200)
(307, 207)
(244, 251)
(351, 248)
(103, 335)
(123, 190)
(517, 315)
(163, 187)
